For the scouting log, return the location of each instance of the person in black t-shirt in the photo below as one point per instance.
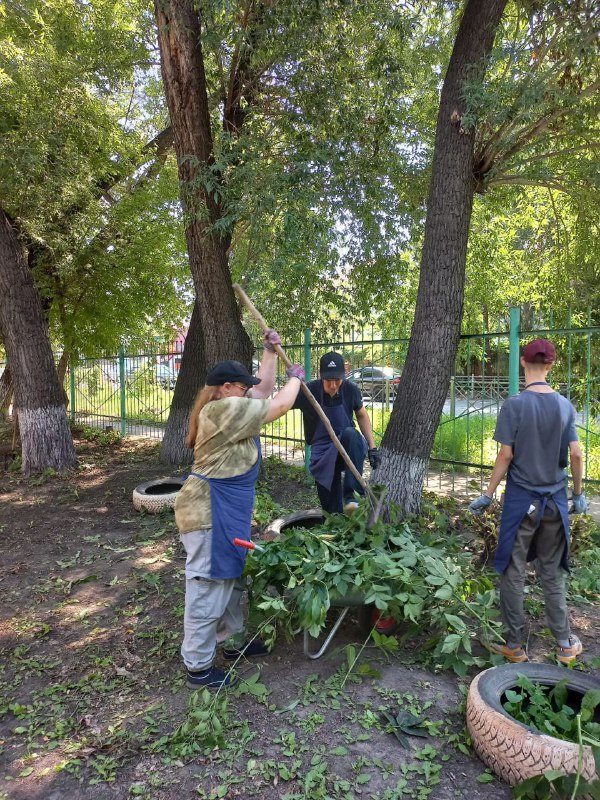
(341, 401)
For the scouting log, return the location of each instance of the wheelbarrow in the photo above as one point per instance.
(307, 519)
(353, 601)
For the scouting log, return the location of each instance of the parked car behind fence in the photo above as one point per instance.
(376, 383)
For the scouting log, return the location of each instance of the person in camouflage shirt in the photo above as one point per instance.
(215, 506)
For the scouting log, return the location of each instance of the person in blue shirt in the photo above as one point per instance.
(341, 401)
(536, 432)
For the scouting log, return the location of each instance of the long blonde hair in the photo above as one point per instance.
(204, 396)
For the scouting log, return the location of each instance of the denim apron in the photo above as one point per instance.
(517, 501)
(324, 453)
(232, 501)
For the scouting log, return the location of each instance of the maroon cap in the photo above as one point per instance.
(540, 351)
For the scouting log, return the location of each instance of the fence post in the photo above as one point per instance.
(72, 382)
(453, 396)
(513, 350)
(122, 388)
(307, 370)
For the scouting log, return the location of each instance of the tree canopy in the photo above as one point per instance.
(77, 110)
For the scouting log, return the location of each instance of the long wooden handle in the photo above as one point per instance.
(309, 395)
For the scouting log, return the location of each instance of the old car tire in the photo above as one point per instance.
(153, 496)
(512, 750)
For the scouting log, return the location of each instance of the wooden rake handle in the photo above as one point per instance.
(309, 395)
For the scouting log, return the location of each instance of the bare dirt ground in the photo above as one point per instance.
(91, 683)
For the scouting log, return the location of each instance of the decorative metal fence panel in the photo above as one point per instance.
(128, 392)
(131, 392)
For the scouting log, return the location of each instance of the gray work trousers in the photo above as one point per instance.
(213, 608)
(550, 544)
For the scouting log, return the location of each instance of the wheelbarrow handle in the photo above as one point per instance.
(248, 545)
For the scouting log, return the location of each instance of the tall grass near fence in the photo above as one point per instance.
(463, 441)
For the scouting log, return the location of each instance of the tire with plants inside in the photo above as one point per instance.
(154, 496)
(513, 750)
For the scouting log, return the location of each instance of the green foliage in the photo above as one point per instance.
(77, 109)
(469, 439)
(203, 730)
(549, 711)
(465, 439)
(265, 508)
(555, 713)
(554, 785)
(427, 581)
(99, 435)
(405, 724)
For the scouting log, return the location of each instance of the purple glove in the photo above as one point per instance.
(295, 371)
(271, 338)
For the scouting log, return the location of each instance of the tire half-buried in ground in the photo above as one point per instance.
(515, 751)
(153, 496)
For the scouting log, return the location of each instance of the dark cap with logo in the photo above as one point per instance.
(331, 366)
(230, 372)
(540, 351)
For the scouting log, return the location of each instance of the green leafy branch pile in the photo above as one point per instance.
(428, 581)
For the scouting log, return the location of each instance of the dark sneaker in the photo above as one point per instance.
(568, 655)
(212, 678)
(516, 655)
(254, 648)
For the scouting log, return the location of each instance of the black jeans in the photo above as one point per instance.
(332, 500)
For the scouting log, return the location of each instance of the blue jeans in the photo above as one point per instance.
(332, 500)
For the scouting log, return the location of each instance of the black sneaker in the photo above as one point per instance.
(212, 678)
(254, 648)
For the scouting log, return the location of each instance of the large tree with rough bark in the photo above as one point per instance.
(542, 97)
(73, 152)
(44, 428)
(273, 149)
(216, 331)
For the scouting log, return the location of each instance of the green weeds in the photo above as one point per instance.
(550, 712)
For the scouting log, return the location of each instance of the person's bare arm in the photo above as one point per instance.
(267, 372)
(576, 465)
(364, 423)
(500, 469)
(283, 400)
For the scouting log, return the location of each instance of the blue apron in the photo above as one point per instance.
(517, 501)
(324, 454)
(231, 501)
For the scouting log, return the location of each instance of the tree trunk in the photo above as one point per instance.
(435, 334)
(63, 364)
(190, 378)
(6, 390)
(45, 435)
(222, 335)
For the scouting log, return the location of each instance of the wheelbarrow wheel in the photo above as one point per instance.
(369, 618)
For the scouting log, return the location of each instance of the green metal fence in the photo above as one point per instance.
(131, 392)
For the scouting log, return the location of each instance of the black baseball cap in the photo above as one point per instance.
(230, 372)
(331, 366)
